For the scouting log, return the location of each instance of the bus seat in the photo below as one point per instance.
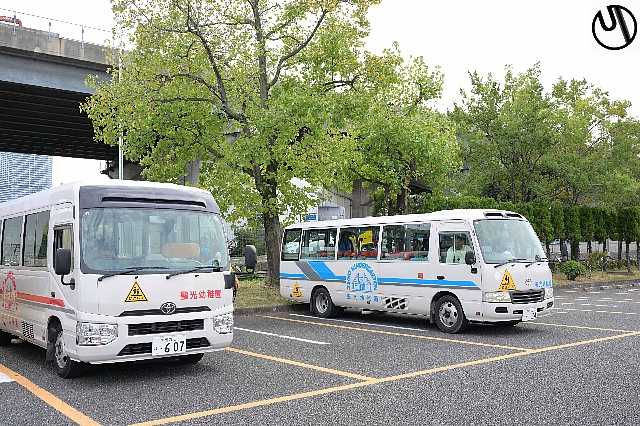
(183, 250)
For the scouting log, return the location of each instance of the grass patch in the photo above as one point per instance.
(560, 278)
(254, 292)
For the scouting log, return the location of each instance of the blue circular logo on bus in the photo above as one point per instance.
(361, 278)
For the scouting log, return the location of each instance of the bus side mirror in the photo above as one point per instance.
(469, 258)
(63, 261)
(250, 257)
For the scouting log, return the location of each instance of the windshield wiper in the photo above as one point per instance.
(129, 270)
(536, 261)
(509, 261)
(215, 268)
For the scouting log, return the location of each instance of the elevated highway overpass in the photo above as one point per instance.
(41, 87)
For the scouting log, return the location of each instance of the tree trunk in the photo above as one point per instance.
(605, 251)
(548, 247)
(272, 245)
(589, 247)
(626, 243)
(638, 254)
(402, 206)
(619, 250)
(575, 250)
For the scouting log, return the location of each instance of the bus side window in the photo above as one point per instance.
(417, 236)
(291, 244)
(35, 239)
(11, 238)
(62, 238)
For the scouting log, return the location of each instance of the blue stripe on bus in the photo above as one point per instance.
(325, 273)
(413, 281)
(293, 276)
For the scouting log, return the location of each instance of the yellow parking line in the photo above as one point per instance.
(47, 397)
(392, 333)
(301, 364)
(373, 381)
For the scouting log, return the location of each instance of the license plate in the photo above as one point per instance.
(169, 345)
(529, 314)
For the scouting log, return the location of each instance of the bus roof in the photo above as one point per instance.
(124, 188)
(468, 215)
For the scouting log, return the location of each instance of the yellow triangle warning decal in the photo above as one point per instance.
(507, 282)
(136, 294)
(296, 291)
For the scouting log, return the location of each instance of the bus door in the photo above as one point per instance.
(464, 281)
(64, 295)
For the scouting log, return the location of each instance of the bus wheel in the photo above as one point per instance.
(65, 366)
(5, 338)
(449, 315)
(322, 304)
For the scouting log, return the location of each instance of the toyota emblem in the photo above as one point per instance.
(168, 308)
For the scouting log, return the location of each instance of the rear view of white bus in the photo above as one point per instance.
(115, 272)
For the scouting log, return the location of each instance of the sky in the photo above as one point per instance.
(457, 35)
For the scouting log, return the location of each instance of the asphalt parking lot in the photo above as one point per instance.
(577, 366)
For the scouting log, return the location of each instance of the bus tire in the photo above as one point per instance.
(5, 338)
(65, 366)
(449, 315)
(322, 304)
(190, 359)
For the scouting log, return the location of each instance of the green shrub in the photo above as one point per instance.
(573, 269)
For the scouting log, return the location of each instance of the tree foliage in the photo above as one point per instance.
(258, 92)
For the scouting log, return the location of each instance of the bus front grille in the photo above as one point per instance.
(165, 327)
(527, 296)
(145, 348)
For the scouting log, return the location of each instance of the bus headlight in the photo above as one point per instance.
(223, 324)
(497, 297)
(548, 292)
(89, 334)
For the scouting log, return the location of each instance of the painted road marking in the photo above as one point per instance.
(300, 364)
(414, 336)
(281, 336)
(601, 312)
(5, 379)
(49, 398)
(361, 323)
(370, 382)
(583, 327)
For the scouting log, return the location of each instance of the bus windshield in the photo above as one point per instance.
(502, 240)
(114, 239)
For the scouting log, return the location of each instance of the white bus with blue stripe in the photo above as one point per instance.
(454, 266)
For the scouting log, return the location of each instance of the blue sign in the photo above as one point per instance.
(311, 216)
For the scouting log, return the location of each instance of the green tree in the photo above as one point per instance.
(629, 228)
(587, 225)
(572, 229)
(257, 92)
(506, 133)
(401, 138)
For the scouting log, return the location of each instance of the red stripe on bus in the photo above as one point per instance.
(41, 299)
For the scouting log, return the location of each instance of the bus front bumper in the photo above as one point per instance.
(503, 312)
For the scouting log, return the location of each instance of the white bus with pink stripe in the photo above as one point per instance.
(115, 271)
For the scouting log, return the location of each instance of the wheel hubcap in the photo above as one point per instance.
(61, 352)
(448, 314)
(322, 303)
